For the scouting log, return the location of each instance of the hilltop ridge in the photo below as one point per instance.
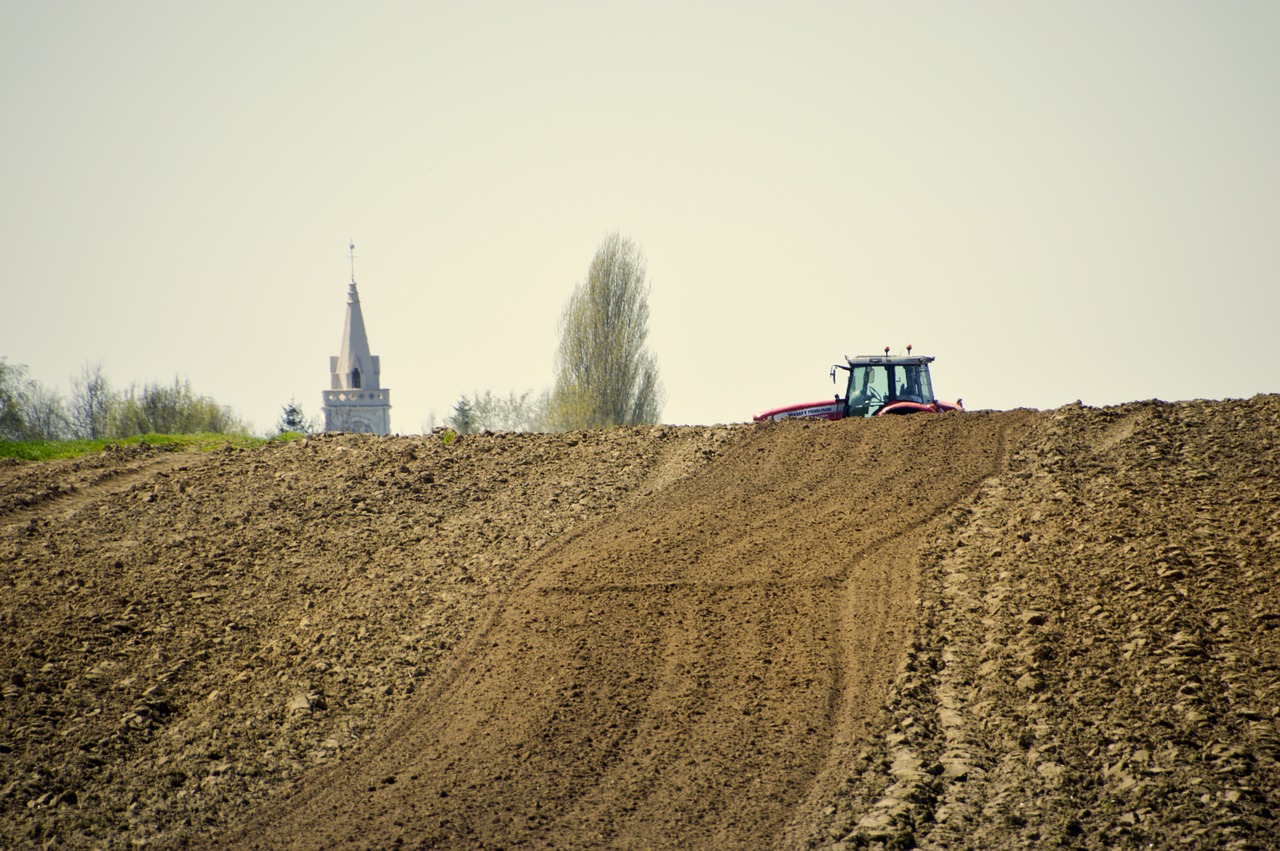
(978, 630)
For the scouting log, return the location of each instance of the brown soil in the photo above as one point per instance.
(959, 631)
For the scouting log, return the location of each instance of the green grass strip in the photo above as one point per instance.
(50, 450)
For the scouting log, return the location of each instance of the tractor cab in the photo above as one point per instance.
(890, 385)
(878, 385)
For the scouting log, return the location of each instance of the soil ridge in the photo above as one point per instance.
(988, 630)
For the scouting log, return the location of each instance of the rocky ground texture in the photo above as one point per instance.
(994, 630)
(1096, 662)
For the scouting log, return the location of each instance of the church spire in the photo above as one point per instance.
(356, 366)
(356, 400)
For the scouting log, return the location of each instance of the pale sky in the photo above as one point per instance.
(1059, 201)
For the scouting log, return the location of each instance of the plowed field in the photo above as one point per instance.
(963, 631)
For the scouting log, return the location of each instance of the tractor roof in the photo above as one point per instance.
(887, 360)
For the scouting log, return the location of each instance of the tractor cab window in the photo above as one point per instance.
(911, 383)
(868, 389)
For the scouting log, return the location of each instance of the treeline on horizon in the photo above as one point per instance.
(95, 410)
(605, 376)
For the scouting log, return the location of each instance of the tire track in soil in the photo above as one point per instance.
(37, 499)
(693, 672)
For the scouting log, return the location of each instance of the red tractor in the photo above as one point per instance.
(879, 385)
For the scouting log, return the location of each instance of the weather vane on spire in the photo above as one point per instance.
(353, 261)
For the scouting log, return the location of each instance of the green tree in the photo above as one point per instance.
(28, 409)
(488, 412)
(168, 409)
(292, 419)
(462, 420)
(44, 412)
(605, 374)
(13, 423)
(91, 402)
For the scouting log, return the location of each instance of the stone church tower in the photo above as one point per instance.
(356, 402)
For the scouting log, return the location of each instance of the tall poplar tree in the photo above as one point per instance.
(605, 373)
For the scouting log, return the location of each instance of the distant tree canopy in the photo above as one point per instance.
(91, 401)
(605, 374)
(462, 421)
(29, 411)
(12, 422)
(292, 419)
(487, 412)
(174, 409)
